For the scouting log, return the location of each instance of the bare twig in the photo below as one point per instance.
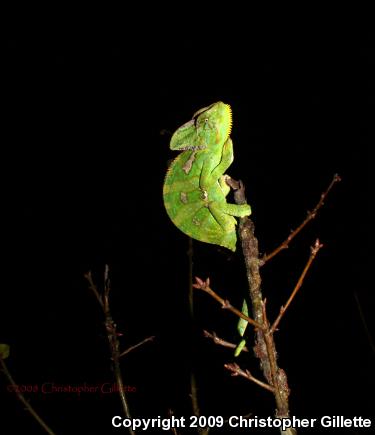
(237, 371)
(310, 215)
(112, 335)
(22, 399)
(219, 341)
(141, 343)
(194, 394)
(314, 250)
(193, 381)
(190, 253)
(170, 415)
(93, 287)
(364, 323)
(205, 286)
(114, 345)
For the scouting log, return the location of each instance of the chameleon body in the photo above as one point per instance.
(195, 187)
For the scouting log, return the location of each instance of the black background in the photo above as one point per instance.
(87, 112)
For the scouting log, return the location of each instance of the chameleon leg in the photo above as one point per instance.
(227, 223)
(238, 210)
(223, 213)
(233, 209)
(226, 160)
(214, 168)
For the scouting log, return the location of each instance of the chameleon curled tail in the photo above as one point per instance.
(195, 187)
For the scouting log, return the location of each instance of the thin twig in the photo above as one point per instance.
(314, 250)
(364, 323)
(190, 253)
(114, 345)
(219, 341)
(21, 397)
(194, 394)
(112, 335)
(141, 343)
(93, 287)
(310, 215)
(205, 286)
(173, 429)
(193, 379)
(237, 371)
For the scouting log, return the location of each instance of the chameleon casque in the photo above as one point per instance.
(195, 187)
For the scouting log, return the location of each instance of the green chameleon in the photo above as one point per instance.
(195, 187)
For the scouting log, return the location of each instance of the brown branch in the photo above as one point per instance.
(264, 344)
(22, 399)
(364, 323)
(205, 286)
(114, 345)
(314, 250)
(141, 343)
(170, 415)
(220, 342)
(195, 403)
(190, 253)
(112, 335)
(310, 215)
(265, 348)
(93, 287)
(237, 371)
(193, 381)
(194, 395)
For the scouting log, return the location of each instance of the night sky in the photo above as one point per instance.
(87, 117)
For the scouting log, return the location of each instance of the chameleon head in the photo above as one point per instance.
(217, 117)
(209, 126)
